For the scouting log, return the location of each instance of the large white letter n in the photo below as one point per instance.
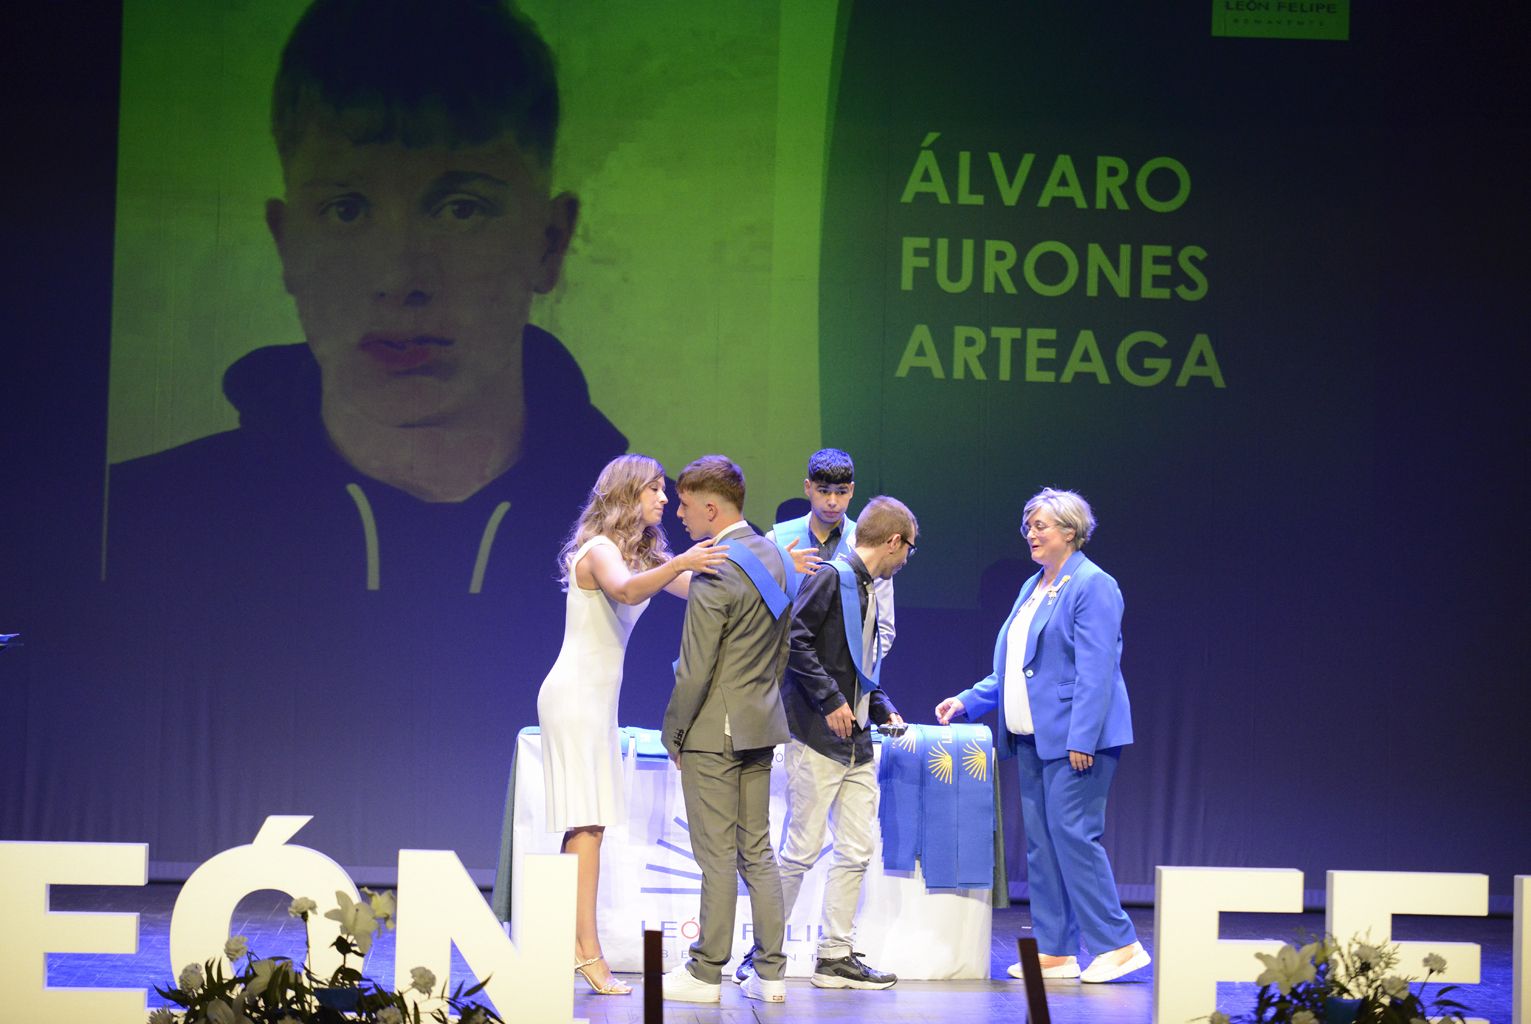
(529, 977)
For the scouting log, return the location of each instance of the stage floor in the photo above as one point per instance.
(262, 918)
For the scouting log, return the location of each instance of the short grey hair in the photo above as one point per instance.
(1069, 508)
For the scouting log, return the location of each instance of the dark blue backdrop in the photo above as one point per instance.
(1325, 637)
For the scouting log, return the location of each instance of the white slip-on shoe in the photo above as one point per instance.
(683, 986)
(1101, 969)
(1068, 969)
(756, 987)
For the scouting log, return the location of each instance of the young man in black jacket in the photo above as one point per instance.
(832, 698)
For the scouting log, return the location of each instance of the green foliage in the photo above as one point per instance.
(275, 991)
(1308, 985)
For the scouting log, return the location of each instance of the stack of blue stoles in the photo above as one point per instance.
(937, 804)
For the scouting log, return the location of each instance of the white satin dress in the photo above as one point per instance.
(577, 707)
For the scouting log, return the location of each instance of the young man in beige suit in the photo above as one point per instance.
(724, 720)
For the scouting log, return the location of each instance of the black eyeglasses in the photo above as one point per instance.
(912, 548)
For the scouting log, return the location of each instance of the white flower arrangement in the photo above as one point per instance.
(277, 991)
(1323, 981)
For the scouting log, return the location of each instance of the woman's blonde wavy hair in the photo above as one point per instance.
(614, 510)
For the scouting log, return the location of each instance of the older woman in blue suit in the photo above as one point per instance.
(1057, 683)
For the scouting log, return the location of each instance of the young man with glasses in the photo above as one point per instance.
(832, 697)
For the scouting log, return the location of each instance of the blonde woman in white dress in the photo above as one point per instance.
(613, 562)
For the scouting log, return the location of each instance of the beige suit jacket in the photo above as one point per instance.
(733, 653)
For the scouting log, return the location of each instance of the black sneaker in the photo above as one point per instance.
(746, 967)
(849, 972)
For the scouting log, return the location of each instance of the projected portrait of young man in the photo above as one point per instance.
(378, 521)
(416, 226)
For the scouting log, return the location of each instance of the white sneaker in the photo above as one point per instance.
(1101, 969)
(756, 987)
(1068, 969)
(683, 986)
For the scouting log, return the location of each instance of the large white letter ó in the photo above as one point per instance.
(200, 923)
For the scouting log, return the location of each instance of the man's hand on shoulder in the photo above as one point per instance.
(805, 560)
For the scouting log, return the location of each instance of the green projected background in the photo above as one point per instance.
(693, 133)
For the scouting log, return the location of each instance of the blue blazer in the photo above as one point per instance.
(1073, 666)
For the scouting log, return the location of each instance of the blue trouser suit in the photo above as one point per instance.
(1073, 893)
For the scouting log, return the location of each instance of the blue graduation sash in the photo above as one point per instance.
(973, 750)
(771, 592)
(850, 609)
(900, 777)
(938, 802)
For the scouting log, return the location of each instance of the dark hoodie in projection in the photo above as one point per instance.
(259, 562)
(273, 501)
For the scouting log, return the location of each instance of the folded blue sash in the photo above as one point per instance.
(648, 742)
(937, 805)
